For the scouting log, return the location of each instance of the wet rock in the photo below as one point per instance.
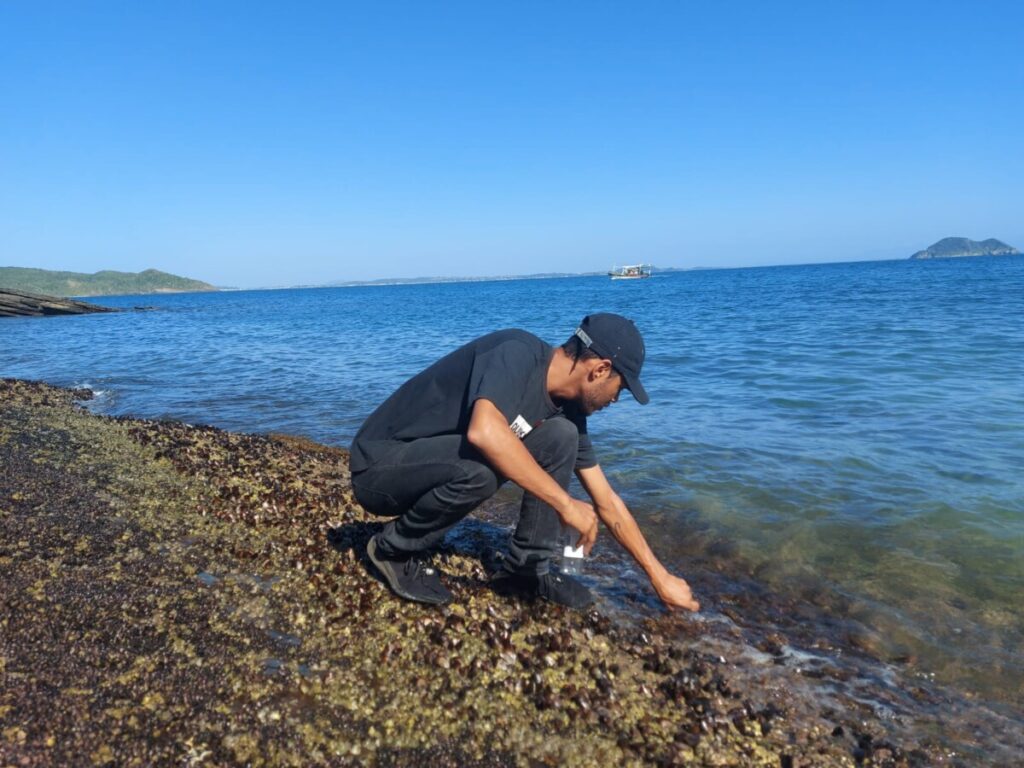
(773, 644)
(23, 304)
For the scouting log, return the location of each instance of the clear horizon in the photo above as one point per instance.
(317, 143)
(413, 279)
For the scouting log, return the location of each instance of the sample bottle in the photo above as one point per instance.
(572, 552)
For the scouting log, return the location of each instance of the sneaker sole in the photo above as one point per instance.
(386, 570)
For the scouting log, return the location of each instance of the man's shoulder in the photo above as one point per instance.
(515, 336)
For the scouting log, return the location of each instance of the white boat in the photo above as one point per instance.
(630, 272)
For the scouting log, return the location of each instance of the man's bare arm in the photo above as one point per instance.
(672, 590)
(489, 433)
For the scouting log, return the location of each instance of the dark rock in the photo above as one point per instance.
(21, 304)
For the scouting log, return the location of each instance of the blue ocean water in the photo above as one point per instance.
(855, 427)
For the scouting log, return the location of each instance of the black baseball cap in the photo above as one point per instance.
(616, 338)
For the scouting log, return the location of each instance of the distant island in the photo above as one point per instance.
(104, 283)
(955, 247)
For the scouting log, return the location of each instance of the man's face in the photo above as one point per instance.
(602, 390)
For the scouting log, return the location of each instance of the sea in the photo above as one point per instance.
(848, 437)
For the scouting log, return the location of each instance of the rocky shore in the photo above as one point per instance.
(181, 595)
(22, 304)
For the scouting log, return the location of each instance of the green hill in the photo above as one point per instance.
(955, 247)
(104, 283)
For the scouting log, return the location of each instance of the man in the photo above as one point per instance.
(506, 406)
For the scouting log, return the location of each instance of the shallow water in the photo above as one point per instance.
(850, 434)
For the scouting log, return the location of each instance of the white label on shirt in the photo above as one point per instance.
(521, 427)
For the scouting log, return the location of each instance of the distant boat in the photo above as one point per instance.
(631, 272)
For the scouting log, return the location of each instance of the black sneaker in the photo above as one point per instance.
(412, 578)
(553, 586)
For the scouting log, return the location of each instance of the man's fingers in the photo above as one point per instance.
(589, 538)
(585, 521)
(591, 535)
(691, 605)
(675, 593)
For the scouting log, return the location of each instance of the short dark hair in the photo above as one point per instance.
(577, 350)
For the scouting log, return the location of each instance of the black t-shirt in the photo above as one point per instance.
(509, 368)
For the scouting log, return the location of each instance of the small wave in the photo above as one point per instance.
(101, 400)
(97, 393)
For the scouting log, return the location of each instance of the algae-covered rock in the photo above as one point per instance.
(181, 595)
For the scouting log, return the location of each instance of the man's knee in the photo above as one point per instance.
(560, 433)
(373, 499)
(553, 441)
(564, 428)
(475, 482)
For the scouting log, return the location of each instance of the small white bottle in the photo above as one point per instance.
(572, 552)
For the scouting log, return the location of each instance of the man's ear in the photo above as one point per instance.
(601, 369)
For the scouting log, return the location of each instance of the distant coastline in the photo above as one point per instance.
(151, 281)
(103, 283)
(483, 279)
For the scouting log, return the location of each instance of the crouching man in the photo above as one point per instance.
(505, 407)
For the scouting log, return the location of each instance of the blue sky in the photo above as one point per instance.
(259, 144)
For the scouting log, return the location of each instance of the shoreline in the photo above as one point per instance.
(201, 596)
(26, 304)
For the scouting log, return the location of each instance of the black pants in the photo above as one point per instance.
(432, 483)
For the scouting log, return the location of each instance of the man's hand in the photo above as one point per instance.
(581, 516)
(672, 590)
(675, 592)
(488, 432)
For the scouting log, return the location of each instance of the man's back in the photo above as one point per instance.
(508, 367)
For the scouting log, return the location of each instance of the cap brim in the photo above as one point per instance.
(636, 389)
